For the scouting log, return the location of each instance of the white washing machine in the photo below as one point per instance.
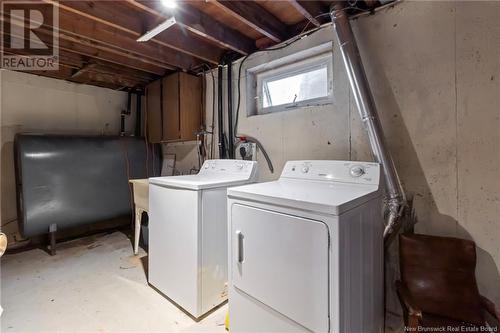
(188, 233)
(306, 251)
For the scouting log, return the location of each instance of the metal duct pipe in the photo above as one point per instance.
(366, 106)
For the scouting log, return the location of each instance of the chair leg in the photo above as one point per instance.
(413, 322)
(137, 233)
(52, 239)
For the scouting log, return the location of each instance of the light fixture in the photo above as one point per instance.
(153, 32)
(169, 3)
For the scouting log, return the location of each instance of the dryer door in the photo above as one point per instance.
(282, 261)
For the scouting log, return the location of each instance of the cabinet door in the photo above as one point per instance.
(171, 119)
(190, 105)
(153, 112)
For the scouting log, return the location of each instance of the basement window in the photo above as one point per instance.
(303, 83)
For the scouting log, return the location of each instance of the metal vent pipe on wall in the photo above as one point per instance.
(396, 200)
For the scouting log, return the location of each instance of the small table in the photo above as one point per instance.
(141, 203)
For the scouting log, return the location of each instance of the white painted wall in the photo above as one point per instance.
(31, 103)
(434, 68)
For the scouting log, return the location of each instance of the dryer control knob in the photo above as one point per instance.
(357, 171)
(239, 166)
(305, 169)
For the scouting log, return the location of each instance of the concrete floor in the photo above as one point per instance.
(93, 284)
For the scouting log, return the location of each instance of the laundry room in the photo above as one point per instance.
(250, 166)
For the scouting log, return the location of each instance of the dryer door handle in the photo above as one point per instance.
(239, 239)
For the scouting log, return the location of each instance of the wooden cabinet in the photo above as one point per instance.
(153, 112)
(190, 98)
(179, 101)
(171, 108)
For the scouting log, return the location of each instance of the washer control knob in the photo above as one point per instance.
(357, 171)
(305, 169)
(239, 166)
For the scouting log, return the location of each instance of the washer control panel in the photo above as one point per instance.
(357, 171)
(340, 171)
(228, 167)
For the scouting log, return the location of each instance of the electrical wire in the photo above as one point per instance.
(212, 142)
(300, 36)
(309, 22)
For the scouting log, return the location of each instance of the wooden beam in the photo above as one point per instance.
(82, 71)
(309, 9)
(111, 14)
(97, 32)
(76, 70)
(201, 24)
(85, 31)
(132, 74)
(92, 73)
(88, 48)
(255, 17)
(62, 74)
(71, 29)
(105, 68)
(70, 44)
(66, 72)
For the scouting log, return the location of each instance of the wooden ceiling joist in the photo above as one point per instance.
(81, 67)
(137, 77)
(83, 31)
(98, 38)
(200, 24)
(85, 28)
(98, 73)
(77, 47)
(256, 17)
(113, 14)
(115, 58)
(94, 34)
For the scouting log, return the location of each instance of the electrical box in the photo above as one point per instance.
(246, 151)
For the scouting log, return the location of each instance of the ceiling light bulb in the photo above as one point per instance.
(169, 3)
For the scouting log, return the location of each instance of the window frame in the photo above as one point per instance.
(292, 69)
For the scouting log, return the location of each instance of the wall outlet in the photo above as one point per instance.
(246, 151)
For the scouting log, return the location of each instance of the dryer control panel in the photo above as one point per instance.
(240, 167)
(338, 171)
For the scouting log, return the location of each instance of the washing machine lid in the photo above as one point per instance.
(213, 174)
(198, 182)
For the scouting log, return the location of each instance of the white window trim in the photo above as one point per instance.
(306, 56)
(291, 70)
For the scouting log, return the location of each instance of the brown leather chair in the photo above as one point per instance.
(438, 286)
